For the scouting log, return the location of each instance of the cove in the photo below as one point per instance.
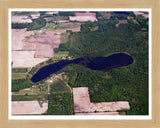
(94, 63)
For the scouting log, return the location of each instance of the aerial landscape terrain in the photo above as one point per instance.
(79, 63)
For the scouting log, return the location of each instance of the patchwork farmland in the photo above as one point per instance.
(43, 38)
(82, 104)
(28, 107)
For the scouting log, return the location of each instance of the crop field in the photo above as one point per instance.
(21, 19)
(23, 107)
(82, 103)
(42, 38)
(18, 38)
(49, 37)
(48, 40)
(29, 61)
(32, 46)
(83, 17)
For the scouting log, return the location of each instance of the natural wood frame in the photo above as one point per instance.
(6, 4)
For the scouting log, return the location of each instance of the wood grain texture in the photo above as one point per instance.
(6, 4)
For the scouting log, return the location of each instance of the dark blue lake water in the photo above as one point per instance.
(94, 63)
(121, 12)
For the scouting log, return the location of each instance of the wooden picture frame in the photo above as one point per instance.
(4, 55)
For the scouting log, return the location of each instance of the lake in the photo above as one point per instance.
(94, 63)
(121, 12)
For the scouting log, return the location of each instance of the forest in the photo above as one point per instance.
(129, 83)
(19, 84)
(60, 104)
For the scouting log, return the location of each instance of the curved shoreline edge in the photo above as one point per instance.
(80, 59)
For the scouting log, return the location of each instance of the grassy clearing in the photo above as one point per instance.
(19, 70)
(60, 26)
(61, 54)
(56, 26)
(58, 87)
(32, 90)
(65, 37)
(26, 98)
(18, 76)
(56, 18)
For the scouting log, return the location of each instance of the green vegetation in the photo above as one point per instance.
(58, 86)
(63, 53)
(36, 24)
(18, 76)
(65, 37)
(20, 25)
(56, 18)
(49, 61)
(128, 83)
(60, 104)
(33, 70)
(57, 26)
(19, 84)
(24, 13)
(66, 13)
(19, 70)
(101, 38)
(26, 98)
(60, 26)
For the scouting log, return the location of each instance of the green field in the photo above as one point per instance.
(64, 37)
(19, 70)
(18, 76)
(26, 98)
(59, 86)
(61, 54)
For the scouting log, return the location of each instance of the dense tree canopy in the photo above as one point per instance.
(128, 83)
